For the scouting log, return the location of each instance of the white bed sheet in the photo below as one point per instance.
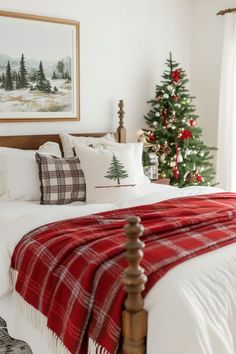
(192, 309)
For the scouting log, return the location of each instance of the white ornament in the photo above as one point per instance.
(157, 114)
(155, 124)
(172, 163)
(162, 157)
(166, 96)
(180, 157)
(170, 88)
(177, 105)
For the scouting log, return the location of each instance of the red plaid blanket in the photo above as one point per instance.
(70, 270)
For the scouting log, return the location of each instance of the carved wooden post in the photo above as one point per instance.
(134, 318)
(121, 129)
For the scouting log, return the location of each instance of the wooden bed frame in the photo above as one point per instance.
(134, 317)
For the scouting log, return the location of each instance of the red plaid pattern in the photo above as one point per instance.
(70, 270)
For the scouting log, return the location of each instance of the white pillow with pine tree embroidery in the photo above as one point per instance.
(110, 176)
(138, 159)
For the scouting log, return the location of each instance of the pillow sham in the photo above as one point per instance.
(50, 148)
(110, 176)
(21, 163)
(21, 177)
(61, 180)
(138, 157)
(69, 142)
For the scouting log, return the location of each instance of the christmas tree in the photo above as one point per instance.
(174, 135)
(116, 171)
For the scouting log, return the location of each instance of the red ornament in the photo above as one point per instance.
(152, 137)
(175, 98)
(185, 134)
(192, 122)
(176, 172)
(199, 177)
(175, 75)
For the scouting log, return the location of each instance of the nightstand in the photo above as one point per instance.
(161, 181)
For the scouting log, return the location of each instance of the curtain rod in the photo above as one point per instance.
(226, 11)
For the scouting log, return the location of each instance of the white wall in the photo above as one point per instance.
(206, 55)
(124, 44)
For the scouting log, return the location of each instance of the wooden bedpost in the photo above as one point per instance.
(121, 129)
(134, 317)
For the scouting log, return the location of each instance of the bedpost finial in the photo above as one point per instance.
(134, 277)
(121, 113)
(121, 128)
(134, 323)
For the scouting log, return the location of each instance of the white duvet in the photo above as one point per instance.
(191, 310)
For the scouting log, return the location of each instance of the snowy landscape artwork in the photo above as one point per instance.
(39, 71)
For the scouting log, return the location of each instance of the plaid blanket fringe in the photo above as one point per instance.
(39, 321)
(95, 348)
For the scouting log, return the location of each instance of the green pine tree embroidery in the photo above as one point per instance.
(8, 80)
(116, 170)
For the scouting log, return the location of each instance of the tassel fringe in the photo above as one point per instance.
(39, 321)
(94, 348)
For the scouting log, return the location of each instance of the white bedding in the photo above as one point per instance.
(192, 309)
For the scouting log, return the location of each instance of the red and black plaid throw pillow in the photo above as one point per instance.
(61, 180)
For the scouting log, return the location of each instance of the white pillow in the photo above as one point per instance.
(69, 142)
(21, 177)
(138, 157)
(102, 168)
(50, 148)
(19, 171)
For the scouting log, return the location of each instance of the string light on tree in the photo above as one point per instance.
(183, 157)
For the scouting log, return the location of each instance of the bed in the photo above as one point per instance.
(192, 309)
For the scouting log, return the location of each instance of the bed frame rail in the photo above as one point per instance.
(134, 317)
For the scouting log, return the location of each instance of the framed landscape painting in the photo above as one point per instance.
(39, 68)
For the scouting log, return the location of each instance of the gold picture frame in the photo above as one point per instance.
(39, 68)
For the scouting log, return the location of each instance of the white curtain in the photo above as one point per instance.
(226, 161)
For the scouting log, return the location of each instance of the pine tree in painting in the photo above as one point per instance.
(54, 76)
(42, 83)
(116, 171)
(40, 77)
(23, 82)
(8, 80)
(3, 81)
(174, 135)
(47, 86)
(67, 76)
(60, 69)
